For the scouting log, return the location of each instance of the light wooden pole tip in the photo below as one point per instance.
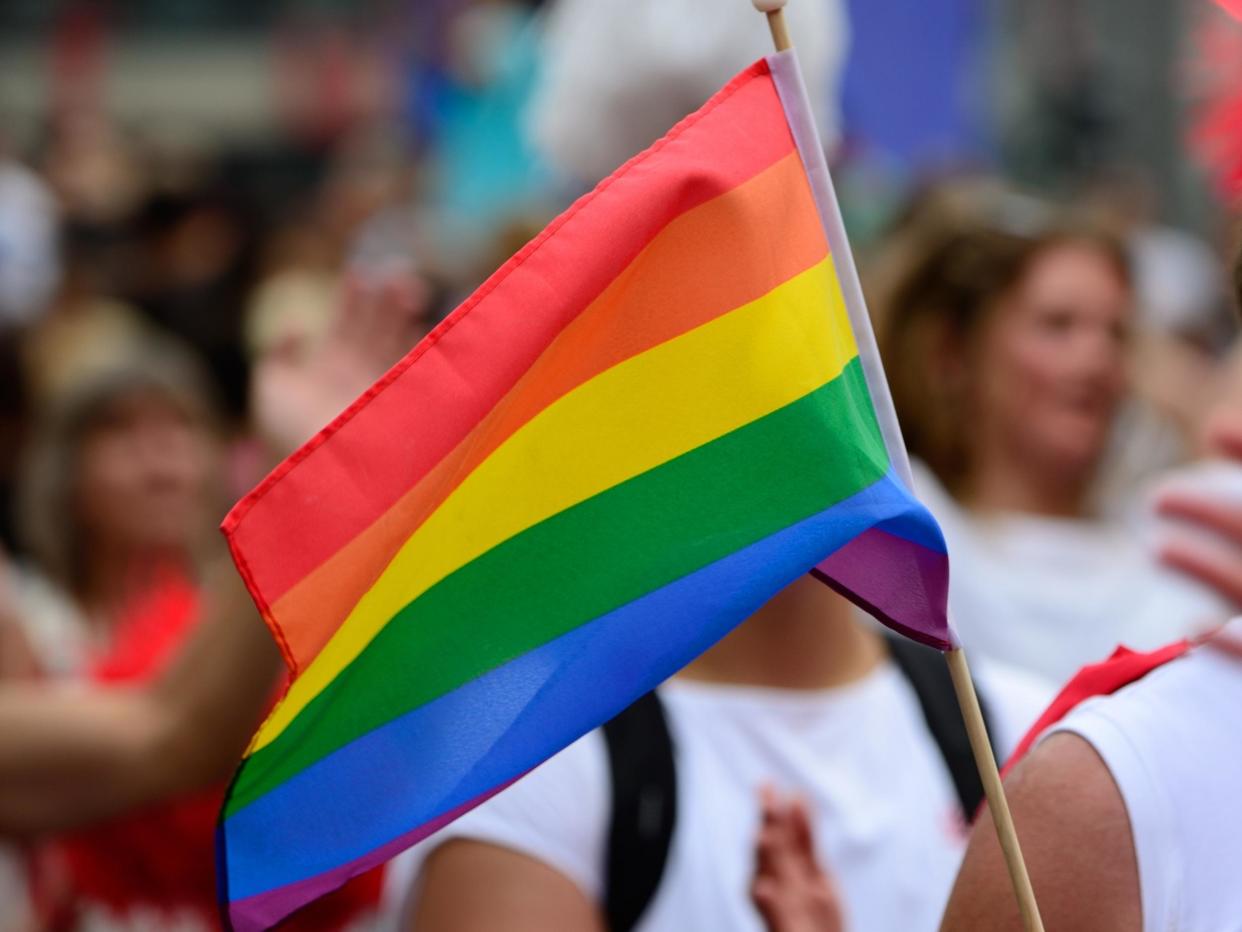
(775, 10)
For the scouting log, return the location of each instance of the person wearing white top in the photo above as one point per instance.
(801, 697)
(1172, 745)
(1004, 327)
(1128, 809)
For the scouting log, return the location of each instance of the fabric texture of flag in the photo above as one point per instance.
(648, 422)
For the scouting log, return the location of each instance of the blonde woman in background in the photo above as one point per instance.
(1006, 334)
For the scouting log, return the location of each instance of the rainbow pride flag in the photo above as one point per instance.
(649, 421)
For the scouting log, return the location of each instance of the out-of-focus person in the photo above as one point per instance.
(360, 230)
(191, 277)
(118, 500)
(590, 112)
(164, 709)
(1125, 802)
(94, 168)
(84, 330)
(1128, 807)
(1006, 332)
(28, 259)
(481, 172)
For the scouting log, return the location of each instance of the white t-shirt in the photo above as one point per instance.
(1053, 594)
(1173, 743)
(887, 819)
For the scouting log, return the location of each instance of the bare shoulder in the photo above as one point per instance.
(521, 893)
(1076, 839)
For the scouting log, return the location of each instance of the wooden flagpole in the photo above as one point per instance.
(985, 761)
(775, 10)
(959, 670)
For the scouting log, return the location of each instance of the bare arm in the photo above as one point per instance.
(522, 894)
(1075, 835)
(70, 755)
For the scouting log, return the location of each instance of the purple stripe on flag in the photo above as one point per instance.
(913, 582)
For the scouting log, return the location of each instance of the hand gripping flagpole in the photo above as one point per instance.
(963, 685)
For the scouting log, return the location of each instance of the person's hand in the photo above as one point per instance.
(791, 889)
(296, 389)
(1217, 564)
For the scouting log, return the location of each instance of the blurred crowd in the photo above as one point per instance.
(1056, 357)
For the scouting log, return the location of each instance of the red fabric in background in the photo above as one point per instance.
(160, 859)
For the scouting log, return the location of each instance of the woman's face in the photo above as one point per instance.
(1051, 363)
(144, 476)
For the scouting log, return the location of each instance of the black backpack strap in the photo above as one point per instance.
(644, 809)
(928, 674)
